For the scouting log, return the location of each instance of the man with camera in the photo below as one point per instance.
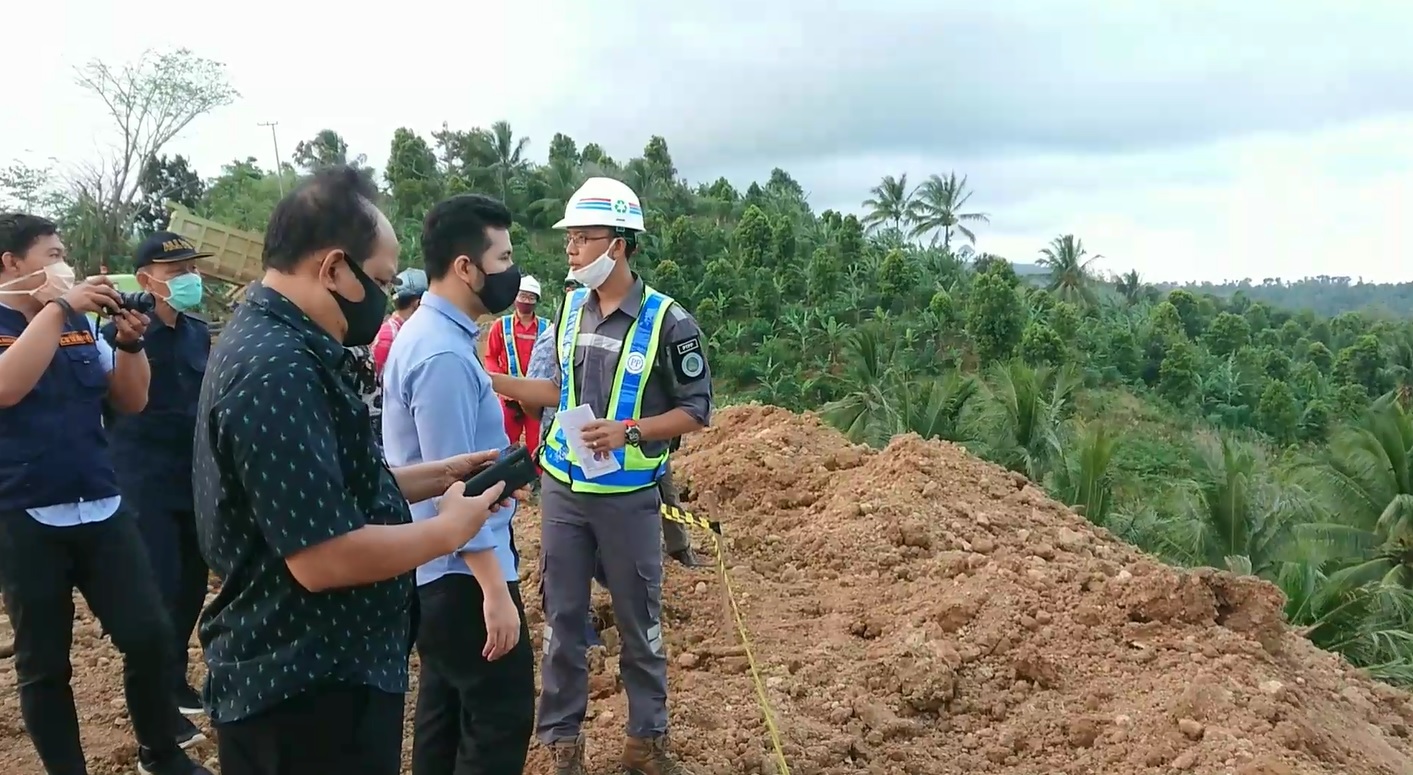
(476, 691)
(152, 449)
(62, 520)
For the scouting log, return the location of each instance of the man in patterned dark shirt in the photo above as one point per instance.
(307, 642)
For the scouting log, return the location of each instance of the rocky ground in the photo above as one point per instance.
(918, 611)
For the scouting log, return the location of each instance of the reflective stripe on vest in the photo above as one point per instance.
(512, 347)
(635, 363)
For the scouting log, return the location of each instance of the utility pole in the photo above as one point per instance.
(279, 168)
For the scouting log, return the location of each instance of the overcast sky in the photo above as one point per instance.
(1189, 139)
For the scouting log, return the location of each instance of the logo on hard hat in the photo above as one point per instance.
(620, 206)
(635, 363)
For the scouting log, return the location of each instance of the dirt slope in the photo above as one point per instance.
(918, 611)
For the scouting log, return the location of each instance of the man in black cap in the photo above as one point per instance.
(152, 449)
(63, 525)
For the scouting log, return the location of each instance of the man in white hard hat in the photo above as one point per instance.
(637, 359)
(508, 349)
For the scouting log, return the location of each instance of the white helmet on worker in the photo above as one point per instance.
(529, 284)
(603, 202)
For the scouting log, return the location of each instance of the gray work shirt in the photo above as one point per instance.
(680, 378)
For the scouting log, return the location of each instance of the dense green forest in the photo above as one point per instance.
(1207, 427)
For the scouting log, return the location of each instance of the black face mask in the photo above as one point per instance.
(500, 289)
(364, 317)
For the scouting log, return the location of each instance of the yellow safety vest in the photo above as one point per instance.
(635, 363)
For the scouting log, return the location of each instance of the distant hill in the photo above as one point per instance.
(1324, 295)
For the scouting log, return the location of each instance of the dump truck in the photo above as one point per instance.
(235, 253)
(234, 262)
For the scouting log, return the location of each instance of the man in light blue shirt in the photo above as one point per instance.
(476, 693)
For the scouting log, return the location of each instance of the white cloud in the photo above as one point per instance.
(1207, 199)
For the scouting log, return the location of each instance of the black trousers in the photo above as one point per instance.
(337, 729)
(170, 536)
(473, 717)
(40, 566)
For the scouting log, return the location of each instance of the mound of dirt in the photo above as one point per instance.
(915, 610)
(922, 611)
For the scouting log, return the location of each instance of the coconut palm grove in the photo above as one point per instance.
(1261, 427)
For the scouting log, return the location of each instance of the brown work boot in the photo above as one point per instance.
(649, 756)
(568, 756)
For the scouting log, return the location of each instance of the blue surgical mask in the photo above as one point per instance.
(184, 292)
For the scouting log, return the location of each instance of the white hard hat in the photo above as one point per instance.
(529, 284)
(603, 202)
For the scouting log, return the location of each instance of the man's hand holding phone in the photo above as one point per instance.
(462, 467)
(463, 517)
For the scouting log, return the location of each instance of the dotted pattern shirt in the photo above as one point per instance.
(285, 458)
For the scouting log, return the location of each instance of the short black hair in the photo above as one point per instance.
(457, 227)
(404, 302)
(19, 232)
(331, 209)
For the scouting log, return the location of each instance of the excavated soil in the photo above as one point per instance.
(918, 611)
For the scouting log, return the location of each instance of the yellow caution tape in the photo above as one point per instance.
(682, 516)
(678, 514)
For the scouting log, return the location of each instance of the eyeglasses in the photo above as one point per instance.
(580, 240)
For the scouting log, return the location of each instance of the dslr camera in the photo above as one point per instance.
(141, 302)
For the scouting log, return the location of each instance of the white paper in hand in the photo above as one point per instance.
(573, 422)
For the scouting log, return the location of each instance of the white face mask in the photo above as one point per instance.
(593, 275)
(59, 279)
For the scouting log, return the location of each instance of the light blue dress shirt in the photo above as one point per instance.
(437, 403)
(84, 512)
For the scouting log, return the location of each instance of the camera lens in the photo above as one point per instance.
(141, 303)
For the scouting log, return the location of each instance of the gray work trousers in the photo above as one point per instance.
(675, 537)
(623, 532)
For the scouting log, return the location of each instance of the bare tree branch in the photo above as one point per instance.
(151, 100)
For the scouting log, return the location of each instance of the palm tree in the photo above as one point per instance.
(1023, 413)
(509, 155)
(1130, 287)
(560, 179)
(867, 413)
(1069, 269)
(1083, 477)
(1353, 591)
(937, 206)
(933, 409)
(1368, 487)
(891, 202)
(1241, 516)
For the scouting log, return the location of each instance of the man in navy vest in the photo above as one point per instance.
(62, 525)
(152, 449)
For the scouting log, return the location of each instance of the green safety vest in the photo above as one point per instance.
(635, 363)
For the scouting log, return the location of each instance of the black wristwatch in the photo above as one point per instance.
(130, 347)
(632, 434)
